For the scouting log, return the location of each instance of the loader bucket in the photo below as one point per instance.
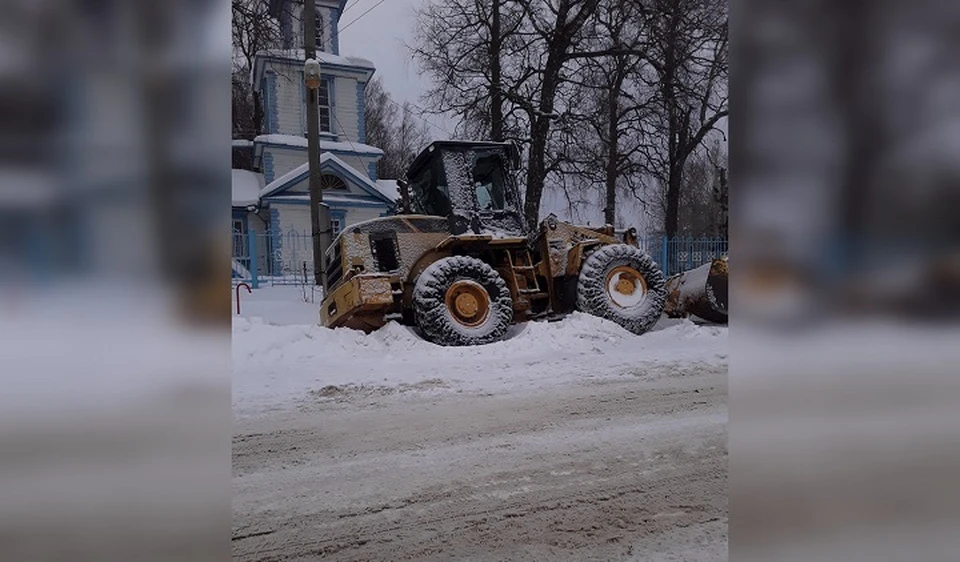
(701, 292)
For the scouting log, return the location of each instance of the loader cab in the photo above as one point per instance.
(470, 183)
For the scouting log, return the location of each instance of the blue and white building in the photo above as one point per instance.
(273, 200)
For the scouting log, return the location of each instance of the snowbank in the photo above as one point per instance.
(276, 363)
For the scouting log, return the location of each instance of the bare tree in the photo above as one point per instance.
(557, 26)
(702, 208)
(618, 93)
(380, 117)
(602, 124)
(686, 64)
(253, 30)
(411, 136)
(523, 66)
(392, 128)
(467, 46)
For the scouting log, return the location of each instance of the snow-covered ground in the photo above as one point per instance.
(572, 440)
(281, 354)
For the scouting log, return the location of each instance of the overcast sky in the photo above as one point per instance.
(381, 36)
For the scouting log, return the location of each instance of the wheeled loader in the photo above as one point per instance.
(459, 262)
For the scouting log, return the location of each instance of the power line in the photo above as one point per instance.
(347, 7)
(361, 16)
(350, 142)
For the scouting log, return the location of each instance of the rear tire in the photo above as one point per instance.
(460, 301)
(623, 284)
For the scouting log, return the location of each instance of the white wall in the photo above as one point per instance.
(345, 98)
(358, 163)
(296, 250)
(291, 105)
(285, 159)
(297, 217)
(361, 214)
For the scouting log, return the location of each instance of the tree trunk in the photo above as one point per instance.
(613, 142)
(536, 171)
(539, 132)
(671, 227)
(675, 169)
(496, 96)
(724, 201)
(540, 124)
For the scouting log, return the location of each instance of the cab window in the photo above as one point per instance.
(427, 195)
(488, 182)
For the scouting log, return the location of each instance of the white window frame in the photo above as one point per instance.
(320, 28)
(325, 84)
(336, 227)
(239, 239)
(321, 31)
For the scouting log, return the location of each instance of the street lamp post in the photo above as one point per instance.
(319, 212)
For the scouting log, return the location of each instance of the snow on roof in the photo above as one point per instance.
(284, 179)
(246, 187)
(322, 57)
(330, 198)
(242, 143)
(389, 188)
(303, 169)
(301, 142)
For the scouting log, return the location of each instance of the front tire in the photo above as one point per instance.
(623, 284)
(460, 301)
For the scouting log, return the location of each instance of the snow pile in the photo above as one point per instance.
(276, 364)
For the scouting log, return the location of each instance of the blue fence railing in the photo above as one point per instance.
(275, 258)
(284, 258)
(677, 255)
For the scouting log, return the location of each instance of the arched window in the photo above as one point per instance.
(320, 29)
(321, 46)
(330, 181)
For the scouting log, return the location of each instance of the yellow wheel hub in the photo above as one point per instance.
(626, 287)
(468, 303)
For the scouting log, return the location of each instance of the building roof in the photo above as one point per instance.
(328, 160)
(246, 186)
(300, 55)
(297, 57)
(332, 199)
(325, 145)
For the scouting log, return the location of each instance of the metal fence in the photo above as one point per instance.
(677, 255)
(273, 258)
(286, 258)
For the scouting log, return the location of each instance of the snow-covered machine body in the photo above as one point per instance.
(459, 263)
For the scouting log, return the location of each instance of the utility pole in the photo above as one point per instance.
(319, 213)
(496, 94)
